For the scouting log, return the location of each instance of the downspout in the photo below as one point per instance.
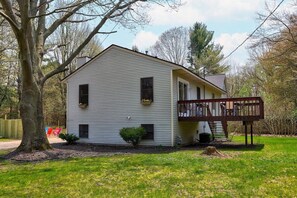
(172, 112)
(67, 106)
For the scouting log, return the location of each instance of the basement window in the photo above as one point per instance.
(83, 131)
(149, 129)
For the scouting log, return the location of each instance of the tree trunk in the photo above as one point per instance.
(31, 109)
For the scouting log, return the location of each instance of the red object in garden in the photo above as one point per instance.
(49, 131)
(57, 131)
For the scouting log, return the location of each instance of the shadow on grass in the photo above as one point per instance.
(84, 147)
(153, 149)
(3, 153)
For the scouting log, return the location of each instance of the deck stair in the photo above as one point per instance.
(217, 131)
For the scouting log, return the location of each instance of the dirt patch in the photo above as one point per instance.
(63, 151)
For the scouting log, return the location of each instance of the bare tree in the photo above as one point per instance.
(275, 50)
(172, 45)
(8, 72)
(278, 37)
(29, 20)
(61, 45)
(66, 39)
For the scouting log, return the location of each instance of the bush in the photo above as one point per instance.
(132, 135)
(70, 138)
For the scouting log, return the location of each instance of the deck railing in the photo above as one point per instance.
(223, 109)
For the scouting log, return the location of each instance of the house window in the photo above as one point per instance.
(183, 88)
(147, 89)
(213, 104)
(149, 129)
(198, 93)
(83, 131)
(84, 94)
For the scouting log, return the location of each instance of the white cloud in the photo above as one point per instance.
(204, 10)
(144, 39)
(230, 42)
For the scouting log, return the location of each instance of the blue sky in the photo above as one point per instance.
(231, 20)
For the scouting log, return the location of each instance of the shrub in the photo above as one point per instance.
(70, 138)
(132, 135)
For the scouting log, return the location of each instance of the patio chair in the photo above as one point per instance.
(57, 131)
(229, 109)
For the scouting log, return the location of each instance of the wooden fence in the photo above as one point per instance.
(11, 128)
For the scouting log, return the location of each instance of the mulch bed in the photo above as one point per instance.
(64, 151)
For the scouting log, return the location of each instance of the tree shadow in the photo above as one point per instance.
(63, 151)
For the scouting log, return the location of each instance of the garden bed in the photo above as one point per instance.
(63, 151)
(80, 150)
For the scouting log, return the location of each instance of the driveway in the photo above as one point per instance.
(15, 143)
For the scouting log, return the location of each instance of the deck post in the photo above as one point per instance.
(245, 132)
(252, 141)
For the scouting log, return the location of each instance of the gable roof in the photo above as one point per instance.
(173, 65)
(219, 80)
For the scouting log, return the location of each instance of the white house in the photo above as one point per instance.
(124, 88)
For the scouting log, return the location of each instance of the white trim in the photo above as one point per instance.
(172, 113)
(185, 82)
(67, 106)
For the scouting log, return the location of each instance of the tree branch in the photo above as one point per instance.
(87, 40)
(9, 15)
(58, 22)
(111, 32)
(79, 21)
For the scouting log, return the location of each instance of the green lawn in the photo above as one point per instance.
(270, 172)
(5, 140)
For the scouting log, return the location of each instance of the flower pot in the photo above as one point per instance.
(146, 102)
(82, 106)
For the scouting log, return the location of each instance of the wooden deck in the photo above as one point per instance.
(223, 109)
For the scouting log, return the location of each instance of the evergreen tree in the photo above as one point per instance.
(204, 53)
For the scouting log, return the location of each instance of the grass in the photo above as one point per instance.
(270, 172)
(5, 139)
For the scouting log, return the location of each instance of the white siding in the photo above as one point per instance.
(188, 130)
(114, 94)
